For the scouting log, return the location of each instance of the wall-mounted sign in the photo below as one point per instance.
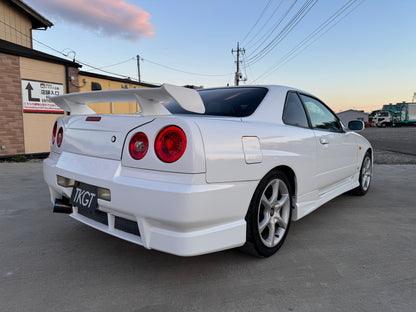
(36, 96)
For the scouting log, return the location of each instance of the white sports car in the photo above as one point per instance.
(195, 172)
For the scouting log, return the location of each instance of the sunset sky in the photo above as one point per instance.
(362, 58)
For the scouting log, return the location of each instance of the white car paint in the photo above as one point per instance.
(197, 204)
(149, 100)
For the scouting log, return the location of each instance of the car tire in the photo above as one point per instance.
(269, 215)
(366, 174)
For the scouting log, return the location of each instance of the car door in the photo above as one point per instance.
(302, 144)
(336, 148)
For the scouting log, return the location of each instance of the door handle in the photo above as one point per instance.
(323, 141)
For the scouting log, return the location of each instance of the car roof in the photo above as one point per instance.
(271, 108)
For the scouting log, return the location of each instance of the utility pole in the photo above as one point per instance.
(238, 76)
(138, 67)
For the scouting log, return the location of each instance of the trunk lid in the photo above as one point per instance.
(103, 136)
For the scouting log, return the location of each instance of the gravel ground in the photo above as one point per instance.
(393, 146)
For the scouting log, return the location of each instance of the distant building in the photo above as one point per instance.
(351, 114)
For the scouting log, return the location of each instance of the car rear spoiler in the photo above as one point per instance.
(150, 100)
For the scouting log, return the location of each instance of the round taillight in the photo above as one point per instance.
(170, 144)
(55, 128)
(59, 137)
(138, 145)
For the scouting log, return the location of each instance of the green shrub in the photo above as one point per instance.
(19, 158)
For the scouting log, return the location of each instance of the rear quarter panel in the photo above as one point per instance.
(280, 145)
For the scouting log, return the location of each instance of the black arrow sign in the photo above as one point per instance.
(29, 89)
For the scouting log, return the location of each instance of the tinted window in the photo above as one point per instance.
(294, 113)
(321, 117)
(233, 102)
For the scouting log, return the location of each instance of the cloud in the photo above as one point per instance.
(107, 17)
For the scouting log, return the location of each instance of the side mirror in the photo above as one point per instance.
(356, 125)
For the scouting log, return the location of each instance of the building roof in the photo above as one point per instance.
(353, 111)
(124, 80)
(38, 21)
(18, 50)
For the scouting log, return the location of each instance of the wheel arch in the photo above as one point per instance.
(369, 151)
(252, 243)
(291, 176)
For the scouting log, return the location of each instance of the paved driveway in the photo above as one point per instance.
(353, 254)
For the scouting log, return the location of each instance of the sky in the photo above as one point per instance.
(360, 59)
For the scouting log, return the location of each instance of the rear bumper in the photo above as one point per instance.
(175, 213)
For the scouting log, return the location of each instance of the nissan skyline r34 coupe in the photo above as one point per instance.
(198, 171)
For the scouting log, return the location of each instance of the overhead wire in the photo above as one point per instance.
(300, 14)
(321, 30)
(115, 64)
(258, 19)
(119, 63)
(307, 41)
(60, 52)
(122, 62)
(29, 37)
(102, 70)
(245, 67)
(182, 71)
(275, 26)
(249, 44)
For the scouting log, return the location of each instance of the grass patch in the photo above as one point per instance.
(19, 158)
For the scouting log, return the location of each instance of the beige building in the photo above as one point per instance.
(28, 77)
(93, 82)
(17, 21)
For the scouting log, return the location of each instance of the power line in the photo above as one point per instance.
(264, 38)
(245, 67)
(101, 68)
(60, 52)
(29, 37)
(302, 12)
(255, 24)
(313, 36)
(185, 72)
(122, 62)
(303, 45)
(268, 34)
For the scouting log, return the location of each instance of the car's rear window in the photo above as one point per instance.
(232, 102)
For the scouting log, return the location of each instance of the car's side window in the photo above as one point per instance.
(293, 112)
(320, 116)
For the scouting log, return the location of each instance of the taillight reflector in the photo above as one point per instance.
(60, 137)
(170, 144)
(138, 146)
(55, 127)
